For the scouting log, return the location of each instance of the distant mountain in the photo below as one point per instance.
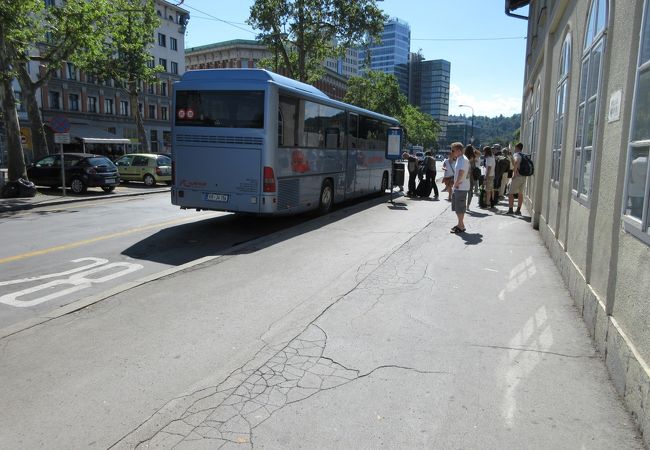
(493, 130)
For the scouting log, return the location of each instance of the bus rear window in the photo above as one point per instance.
(222, 109)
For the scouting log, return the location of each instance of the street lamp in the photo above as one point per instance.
(471, 139)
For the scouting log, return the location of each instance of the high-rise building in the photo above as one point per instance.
(429, 88)
(391, 55)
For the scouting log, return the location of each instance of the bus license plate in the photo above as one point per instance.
(216, 197)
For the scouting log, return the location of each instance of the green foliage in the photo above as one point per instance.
(494, 130)
(21, 25)
(379, 92)
(125, 57)
(303, 33)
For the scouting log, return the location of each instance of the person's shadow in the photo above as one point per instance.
(471, 238)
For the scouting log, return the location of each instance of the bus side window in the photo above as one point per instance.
(287, 116)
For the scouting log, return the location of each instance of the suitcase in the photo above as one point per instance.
(424, 188)
(482, 203)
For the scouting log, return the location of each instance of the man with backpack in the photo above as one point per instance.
(430, 172)
(523, 167)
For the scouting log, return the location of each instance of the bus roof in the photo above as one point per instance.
(250, 75)
(288, 84)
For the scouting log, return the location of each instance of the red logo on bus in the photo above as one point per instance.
(190, 113)
(181, 113)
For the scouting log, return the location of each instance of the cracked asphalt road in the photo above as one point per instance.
(378, 329)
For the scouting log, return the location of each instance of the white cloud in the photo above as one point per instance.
(490, 105)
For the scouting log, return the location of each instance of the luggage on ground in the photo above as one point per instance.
(424, 188)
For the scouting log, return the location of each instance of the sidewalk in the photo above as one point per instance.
(371, 327)
(48, 197)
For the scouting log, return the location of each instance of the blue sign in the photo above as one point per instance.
(394, 144)
(60, 124)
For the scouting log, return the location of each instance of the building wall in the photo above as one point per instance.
(603, 260)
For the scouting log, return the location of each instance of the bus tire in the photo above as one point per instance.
(326, 200)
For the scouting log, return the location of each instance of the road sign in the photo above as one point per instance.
(61, 138)
(60, 124)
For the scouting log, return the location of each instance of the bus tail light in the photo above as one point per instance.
(269, 179)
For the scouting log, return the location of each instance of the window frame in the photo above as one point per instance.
(640, 228)
(562, 91)
(590, 48)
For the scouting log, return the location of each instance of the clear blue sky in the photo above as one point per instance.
(486, 70)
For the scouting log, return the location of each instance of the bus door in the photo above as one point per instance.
(351, 160)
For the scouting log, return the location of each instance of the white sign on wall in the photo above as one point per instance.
(614, 112)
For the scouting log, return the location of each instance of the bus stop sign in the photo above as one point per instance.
(394, 144)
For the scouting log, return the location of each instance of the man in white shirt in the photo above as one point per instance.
(517, 183)
(461, 185)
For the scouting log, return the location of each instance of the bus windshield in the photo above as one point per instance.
(221, 109)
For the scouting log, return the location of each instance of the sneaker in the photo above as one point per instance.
(518, 212)
(510, 211)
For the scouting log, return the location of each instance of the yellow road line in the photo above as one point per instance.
(97, 239)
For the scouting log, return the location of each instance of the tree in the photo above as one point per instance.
(67, 33)
(303, 33)
(20, 24)
(379, 92)
(125, 57)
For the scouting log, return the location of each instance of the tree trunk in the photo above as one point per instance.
(39, 141)
(139, 122)
(15, 156)
(300, 42)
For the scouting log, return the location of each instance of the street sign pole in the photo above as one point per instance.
(62, 169)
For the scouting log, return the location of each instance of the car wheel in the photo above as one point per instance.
(78, 186)
(108, 188)
(149, 180)
(326, 197)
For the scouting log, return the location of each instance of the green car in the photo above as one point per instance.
(149, 168)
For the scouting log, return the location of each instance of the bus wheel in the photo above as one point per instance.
(326, 197)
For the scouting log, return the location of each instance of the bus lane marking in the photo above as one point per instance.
(77, 281)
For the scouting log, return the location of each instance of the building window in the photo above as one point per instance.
(163, 63)
(561, 99)
(164, 115)
(108, 106)
(151, 63)
(152, 111)
(73, 102)
(92, 104)
(588, 100)
(72, 71)
(173, 44)
(174, 68)
(151, 89)
(124, 108)
(637, 186)
(163, 88)
(162, 40)
(55, 100)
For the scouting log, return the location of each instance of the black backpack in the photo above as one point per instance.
(526, 166)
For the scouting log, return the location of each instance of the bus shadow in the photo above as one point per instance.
(233, 234)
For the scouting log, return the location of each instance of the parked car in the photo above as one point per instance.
(419, 156)
(82, 170)
(147, 167)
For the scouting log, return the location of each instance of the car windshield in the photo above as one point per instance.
(101, 161)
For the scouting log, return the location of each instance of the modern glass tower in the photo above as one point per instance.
(429, 88)
(392, 54)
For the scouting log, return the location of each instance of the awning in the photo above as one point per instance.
(91, 135)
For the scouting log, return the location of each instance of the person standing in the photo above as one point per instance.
(412, 167)
(517, 183)
(490, 166)
(448, 176)
(473, 181)
(461, 184)
(430, 171)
